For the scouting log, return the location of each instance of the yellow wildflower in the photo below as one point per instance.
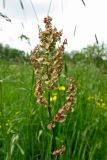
(61, 88)
(53, 99)
(98, 104)
(101, 104)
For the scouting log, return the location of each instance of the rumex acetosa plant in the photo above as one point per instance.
(48, 61)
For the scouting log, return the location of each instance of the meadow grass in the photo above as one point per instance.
(23, 123)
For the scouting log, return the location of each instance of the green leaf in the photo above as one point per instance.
(20, 148)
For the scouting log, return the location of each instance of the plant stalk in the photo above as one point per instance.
(53, 130)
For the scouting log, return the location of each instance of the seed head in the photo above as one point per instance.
(60, 151)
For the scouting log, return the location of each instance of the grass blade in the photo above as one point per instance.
(5, 17)
(83, 3)
(22, 6)
(3, 3)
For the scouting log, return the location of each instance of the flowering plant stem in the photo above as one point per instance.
(53, 129)
(48, 65)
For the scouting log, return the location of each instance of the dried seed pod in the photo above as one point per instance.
(51, 125)
(39, 93)
(60, 151)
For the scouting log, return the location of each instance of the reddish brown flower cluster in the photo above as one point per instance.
(39, 93)
(50, 36)
(47, 59)
(68, 107)
(57, 64)
(60, 151)
(48, 65)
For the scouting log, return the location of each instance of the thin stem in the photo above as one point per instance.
(53, 130)
(50, 117)
(49, 7)
(49, 108)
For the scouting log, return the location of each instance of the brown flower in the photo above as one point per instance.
(51, 125)
(39, 93)
(60, 151)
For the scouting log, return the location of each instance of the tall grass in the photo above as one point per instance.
(23, 124)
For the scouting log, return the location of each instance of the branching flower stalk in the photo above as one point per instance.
(47, 60)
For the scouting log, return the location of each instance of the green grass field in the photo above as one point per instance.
(23, 123)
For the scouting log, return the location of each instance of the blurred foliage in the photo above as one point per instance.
(22, 121)
(92, 54)
(12, 54)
